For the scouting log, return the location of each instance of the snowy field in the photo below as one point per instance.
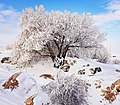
(30, 83)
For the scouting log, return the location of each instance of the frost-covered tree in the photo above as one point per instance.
(67, 90)
(55, 33)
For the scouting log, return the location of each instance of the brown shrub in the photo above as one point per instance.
(45, 76)
(12, 82)
(65, 68)
(109, 95)
(29, 101)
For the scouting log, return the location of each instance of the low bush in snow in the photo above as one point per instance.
(116, 61)
(67, 90)
(101, 55)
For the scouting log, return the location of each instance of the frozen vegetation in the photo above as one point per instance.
(59, 59)
(57, 34)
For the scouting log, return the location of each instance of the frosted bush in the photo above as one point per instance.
(101, 55)
(67, 90)
(116, 61)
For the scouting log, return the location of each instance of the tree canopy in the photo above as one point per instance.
(55, 33)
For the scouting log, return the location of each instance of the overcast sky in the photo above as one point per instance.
(106, 14)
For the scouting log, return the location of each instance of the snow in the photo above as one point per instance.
(27, 87)
(30, 83)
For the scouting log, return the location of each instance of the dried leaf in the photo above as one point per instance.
(45, 76)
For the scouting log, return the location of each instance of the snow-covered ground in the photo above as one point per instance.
(30, 83)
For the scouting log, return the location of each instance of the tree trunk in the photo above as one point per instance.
(52, 55)
(61, 47)
(66, 48)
